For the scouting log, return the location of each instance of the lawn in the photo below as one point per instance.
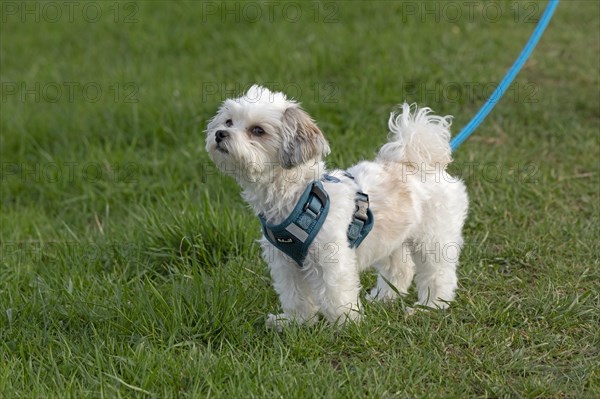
(129, 265)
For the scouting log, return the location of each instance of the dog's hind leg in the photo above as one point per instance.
(395, 275)
(436, 261)
(439, 244)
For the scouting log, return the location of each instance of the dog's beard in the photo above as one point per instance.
(247, 162)
(222, 148)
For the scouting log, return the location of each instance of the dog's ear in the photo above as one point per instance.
(302, 139)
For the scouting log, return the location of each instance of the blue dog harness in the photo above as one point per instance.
(294, 235)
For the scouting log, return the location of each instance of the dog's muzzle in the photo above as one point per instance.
(220, 136)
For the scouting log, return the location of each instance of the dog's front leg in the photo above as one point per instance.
(294, 294)
(336, 286)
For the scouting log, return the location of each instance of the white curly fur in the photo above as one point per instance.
(418, 137)
(419, 209)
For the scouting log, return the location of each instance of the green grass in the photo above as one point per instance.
(129, 266)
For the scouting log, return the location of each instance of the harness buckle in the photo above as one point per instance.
(362, 206)
(321, 195)
(315, 207)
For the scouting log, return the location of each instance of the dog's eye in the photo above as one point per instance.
(257, 131)
(228, 123)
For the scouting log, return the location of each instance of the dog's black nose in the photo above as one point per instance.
(220, 135)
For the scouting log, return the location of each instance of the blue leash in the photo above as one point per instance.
(508, 78)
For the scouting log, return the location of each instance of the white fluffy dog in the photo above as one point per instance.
(274, 150)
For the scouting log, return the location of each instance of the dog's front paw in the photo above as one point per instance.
(277, 321)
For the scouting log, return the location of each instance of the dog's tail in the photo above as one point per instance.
(418, 137)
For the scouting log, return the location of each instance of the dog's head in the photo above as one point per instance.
(262, 130)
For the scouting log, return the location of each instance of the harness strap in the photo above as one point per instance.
(362, 222)
(294, 235)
